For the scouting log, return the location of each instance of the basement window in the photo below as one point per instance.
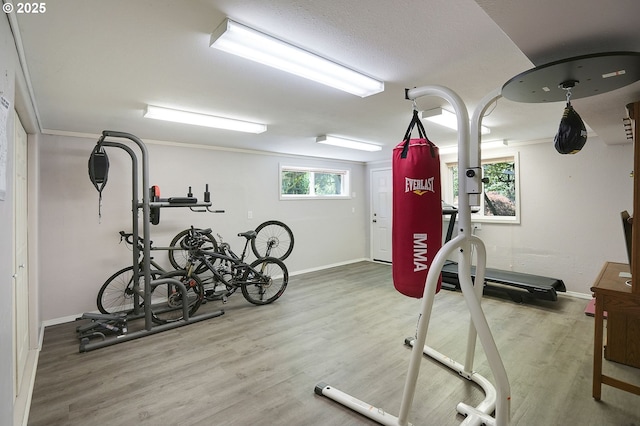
(310, 182)
(500, 201)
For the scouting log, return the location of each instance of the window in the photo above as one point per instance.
(501, 198)
(308, 182)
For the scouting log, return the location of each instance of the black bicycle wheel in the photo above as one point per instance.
(167, 300)
(265, 281)
(274, 239)
(178, 257)
(116, 294)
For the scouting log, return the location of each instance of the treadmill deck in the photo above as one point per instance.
(518, 283)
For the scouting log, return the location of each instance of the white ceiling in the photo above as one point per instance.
(95, 65)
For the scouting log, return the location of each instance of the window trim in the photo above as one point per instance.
(480, 217)
(346, 183)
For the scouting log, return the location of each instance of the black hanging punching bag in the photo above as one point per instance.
(98, 166)
(572, 134)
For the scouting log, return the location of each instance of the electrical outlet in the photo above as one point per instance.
(249, 214)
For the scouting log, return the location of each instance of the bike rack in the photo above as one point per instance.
(150, 327)
(496, 399)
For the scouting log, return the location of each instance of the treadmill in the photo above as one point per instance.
(517, 285)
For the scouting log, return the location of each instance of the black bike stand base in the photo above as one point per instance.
(86, 347)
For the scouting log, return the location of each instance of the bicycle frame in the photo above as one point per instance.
(238, 269)
(136, 290)
(224, 248)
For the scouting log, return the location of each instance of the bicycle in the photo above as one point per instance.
(121, 294)
(273, 239)
(261, 282)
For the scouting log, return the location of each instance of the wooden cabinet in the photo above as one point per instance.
(623, 341)
(634, 114)
(623, 338)
(623, 308)
(619, 296)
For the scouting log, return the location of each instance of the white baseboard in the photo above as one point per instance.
(578, 295)
(333, 265)
(22, 403)
(62, 320)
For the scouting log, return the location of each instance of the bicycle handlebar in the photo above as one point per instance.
(128, 238)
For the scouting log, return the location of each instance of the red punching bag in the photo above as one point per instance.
(417, 211)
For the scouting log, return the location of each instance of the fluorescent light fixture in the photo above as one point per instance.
(449, 149)
(453, 149)
(347, 143)
(446, 118)
(241, 40)
(197, 119)
(501, 143)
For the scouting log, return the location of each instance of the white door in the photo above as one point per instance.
(381, 199)
(20, 274)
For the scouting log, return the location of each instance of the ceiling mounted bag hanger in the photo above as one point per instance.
(417, 210)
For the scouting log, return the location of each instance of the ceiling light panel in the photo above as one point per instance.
(497, 144)
(446, 118)
(198, 119)
(257, 46)
(347, 143)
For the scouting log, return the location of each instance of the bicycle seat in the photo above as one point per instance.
(249, 235)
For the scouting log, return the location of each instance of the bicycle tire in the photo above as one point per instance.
(116, 294)
(178, 257)
(273, 239)
(266, 287)
(166, 299)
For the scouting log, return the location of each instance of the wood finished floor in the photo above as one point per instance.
(344, 326)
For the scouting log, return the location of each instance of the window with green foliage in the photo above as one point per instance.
(304, 182)
(295, 182)
(500, 201)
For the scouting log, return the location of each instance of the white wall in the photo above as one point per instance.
(570, 212)
(79, 252)
(570, 217)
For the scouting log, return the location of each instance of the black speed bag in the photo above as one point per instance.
(572, 134)
(98, 168)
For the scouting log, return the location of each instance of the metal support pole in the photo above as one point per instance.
(142, 333)
(145, 219)
(464, 230)
(134, 213)
(470, 187)
(475, 156)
